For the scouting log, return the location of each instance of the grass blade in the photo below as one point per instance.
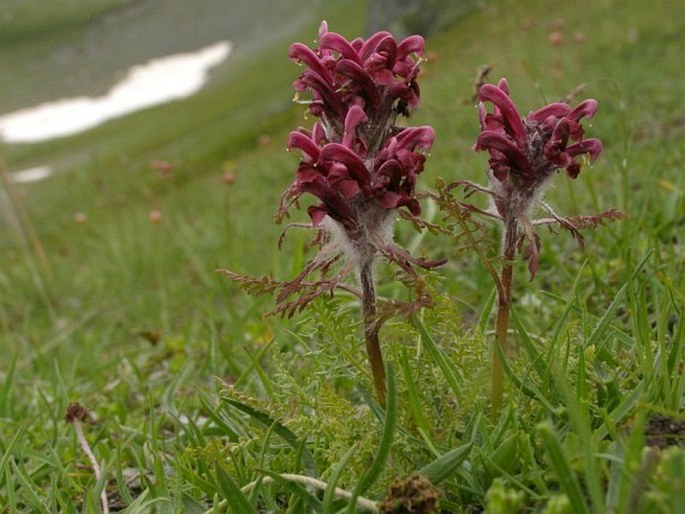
(446, 464)
(447, 367)
(232, 494)
(254, 365)
(222, 425)
(6, 389)
(381, 456)
(31, 494)
(537, 360)
(625, 339)
(329, 493)
(486, 311)
(567, 478)
(414, 402)
(8, 451)
(602, 325)
(529, 389)
(285, 433)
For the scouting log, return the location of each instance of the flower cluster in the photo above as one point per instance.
(533, 147)
(358, 163)
(355, 160)
(378, 74)
(524, 153)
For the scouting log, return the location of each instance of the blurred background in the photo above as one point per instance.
(66, 48)
(110, 236)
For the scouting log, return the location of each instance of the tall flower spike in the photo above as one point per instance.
(364, 167)
(358, 89)
(524, 154)
(360, 166)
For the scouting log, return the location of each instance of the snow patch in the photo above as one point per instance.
(156, 82)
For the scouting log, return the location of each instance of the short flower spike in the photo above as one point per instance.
(532, 148)
(524, 154)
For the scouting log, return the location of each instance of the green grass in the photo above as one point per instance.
(195, 395)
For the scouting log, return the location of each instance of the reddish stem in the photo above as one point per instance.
(503, 310)
(371, 329)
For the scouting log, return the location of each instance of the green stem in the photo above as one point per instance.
(503, 311)
(371, 329)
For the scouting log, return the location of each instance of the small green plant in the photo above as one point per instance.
(501, 499)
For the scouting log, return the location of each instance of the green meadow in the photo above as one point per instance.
(199, 402)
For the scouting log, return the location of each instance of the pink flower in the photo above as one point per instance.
(532, 148)
(378, 74)
(355, 160)
(524, 153)
(358, 164)
(361, 167)
(347, 184)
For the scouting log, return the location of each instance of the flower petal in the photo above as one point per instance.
(587, 109)
(411, 45)
(339, 153)
(388, 199)
(319, 134)
(557, 142)
(324, 89)
(500, 171)
(503, 85)
(416, 137)
(303, 142)
(340, 180)
(370, 44)
(384, 55)
(306, 173)
(355, 73)
(557, 109)
(494, 140)
(355, 116)
(317, 213)
(511, 117)
(389, 174)
(337, 43)
(587, 146)
(323, 28)
(334, 205)
(302, 53)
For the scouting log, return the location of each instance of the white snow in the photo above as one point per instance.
(31, 174)
(155, 82)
